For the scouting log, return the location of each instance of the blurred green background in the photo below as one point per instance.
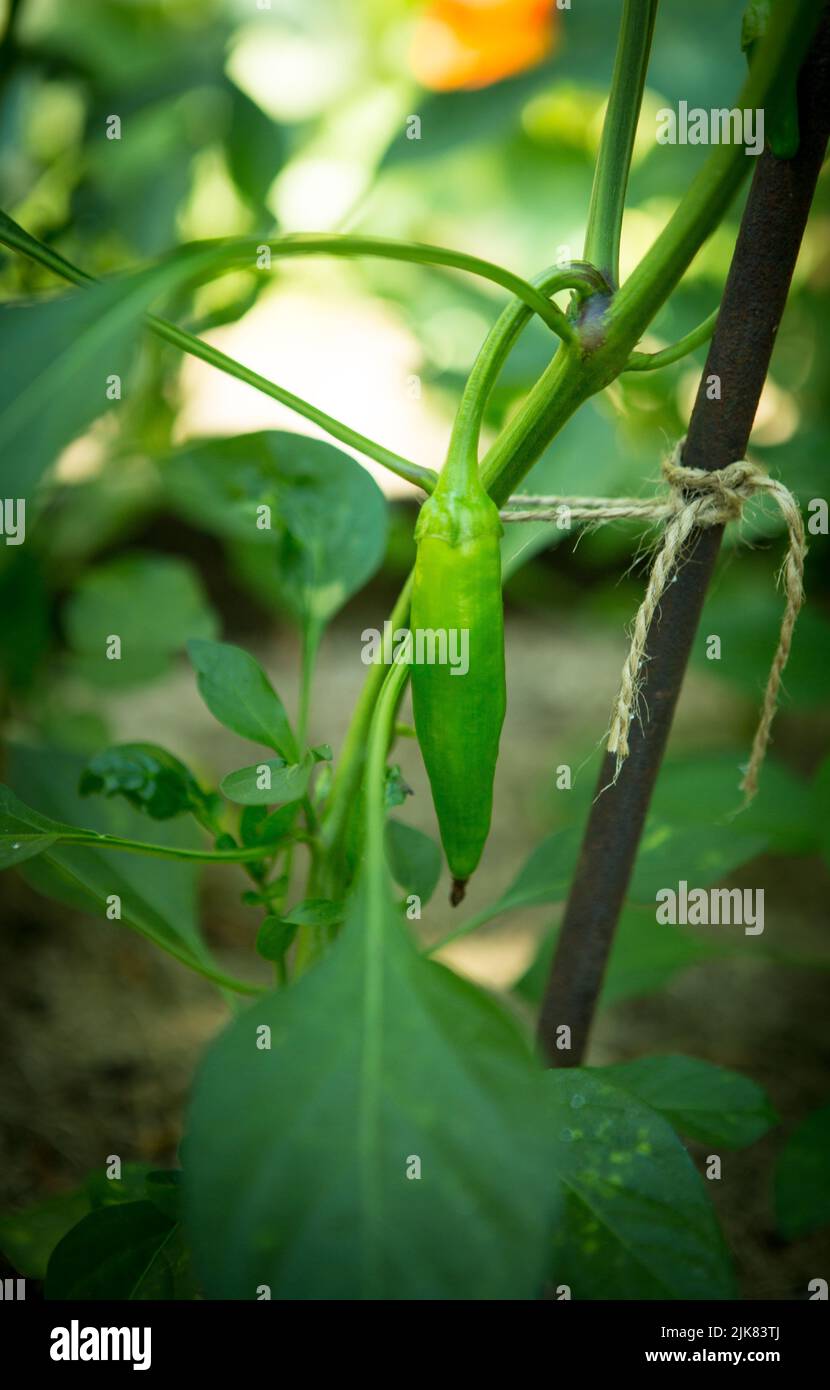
(242, 120)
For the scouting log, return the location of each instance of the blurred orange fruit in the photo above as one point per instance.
(471, 43)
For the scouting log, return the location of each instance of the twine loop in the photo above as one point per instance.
(699, 498)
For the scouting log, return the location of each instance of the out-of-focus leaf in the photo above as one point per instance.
(802, 1198)
(149, 777)
(126, 1252)
(637, 1222)
(414, 859)
(701, 1101)
(314, 522)
(153, 604)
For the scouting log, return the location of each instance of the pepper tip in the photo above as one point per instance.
(458, 891)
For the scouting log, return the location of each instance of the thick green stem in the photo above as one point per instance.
(462, 456)
(605, 215)
(784, 45)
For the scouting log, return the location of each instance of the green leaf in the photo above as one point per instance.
(644, 957)
(296, 1155)
(259, 827)
(396, 789)
(283, 782)
(274, 938)
(238, 693)
(163, 1187)
(328, 517)
(158, 897)
(546, 874)
(700, 854)
(748, 621)
(710, 1104)
(24, 832)
(154, 604)
(637, 1222)
(704, 790)
(316, 912)
(255, 147)
(802, 1197)
(148, 777)
(414, 859)
(131, 1251)
(28, 1237)
(58, 353)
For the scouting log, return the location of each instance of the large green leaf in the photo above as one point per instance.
(128, 1251)
(637, 1222)
(702, 1101)
(802, 1197)
(153, 603)
(238, 693)
(296, 1156)
(57, 355)
(327, 532)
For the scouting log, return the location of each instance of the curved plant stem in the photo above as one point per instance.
(19, 240)
(605, 215)
(579, 276)
(651, 361)
(233, 253)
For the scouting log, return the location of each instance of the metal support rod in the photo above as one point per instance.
(756, 290)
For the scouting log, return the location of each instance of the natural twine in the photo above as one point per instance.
(698, 498)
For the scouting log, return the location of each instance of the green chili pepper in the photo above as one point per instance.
(457, 612)
(457, 587)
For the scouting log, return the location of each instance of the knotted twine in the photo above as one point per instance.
(697, 498)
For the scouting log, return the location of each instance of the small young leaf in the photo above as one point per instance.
(396, 789)
(802, 1195)
(414, 859)
(148, 777)
(259, 827)
(274, 938)
(316, 912)
(700, 1100)
(395, 1101)
(238, 693)
(271, 783)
